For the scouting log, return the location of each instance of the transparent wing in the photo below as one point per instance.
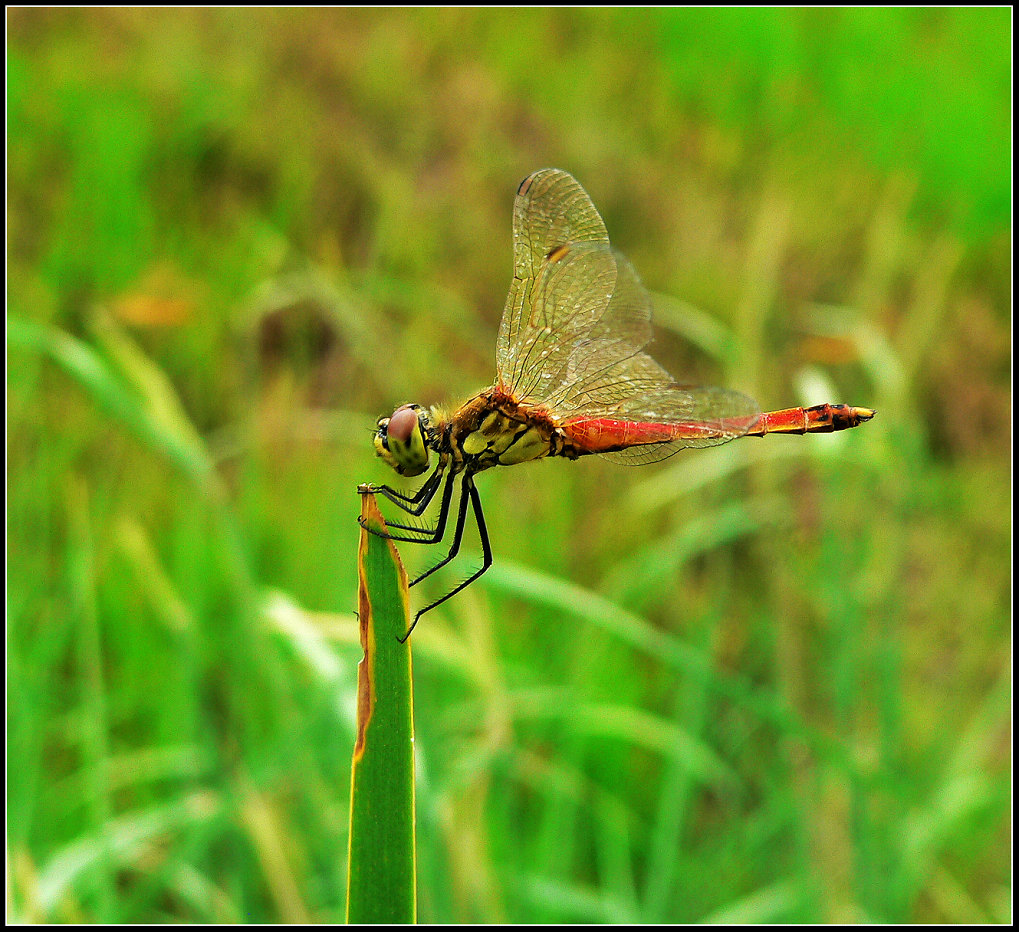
(576, 323)
(592, 360)
(574, 306)
(551, 210)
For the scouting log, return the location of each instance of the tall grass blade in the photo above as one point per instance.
(381, 869)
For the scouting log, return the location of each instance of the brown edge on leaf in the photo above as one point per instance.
(365, 669)
(369, 512)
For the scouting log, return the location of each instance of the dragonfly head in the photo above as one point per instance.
(401, 440)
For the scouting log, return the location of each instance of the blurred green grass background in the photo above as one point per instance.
(768, 682)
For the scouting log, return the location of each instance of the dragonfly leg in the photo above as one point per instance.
(458, 533)
(486, 549)
(413, 504)
(427, 535)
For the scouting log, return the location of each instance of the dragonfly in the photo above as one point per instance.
(572, 379)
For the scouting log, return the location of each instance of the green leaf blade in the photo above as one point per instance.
(381, 873)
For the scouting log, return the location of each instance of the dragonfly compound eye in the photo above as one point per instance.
(400, 441)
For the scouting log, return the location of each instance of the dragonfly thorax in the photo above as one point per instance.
(402, 439)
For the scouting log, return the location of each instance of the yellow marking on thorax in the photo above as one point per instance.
(501, 440)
